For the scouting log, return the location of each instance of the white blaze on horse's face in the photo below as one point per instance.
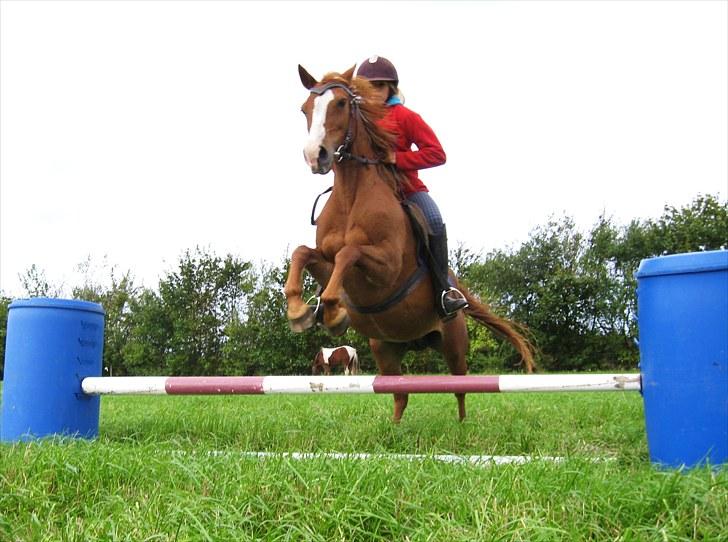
(317, 156)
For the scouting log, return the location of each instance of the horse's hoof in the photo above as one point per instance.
(304, 322)
(340, 327)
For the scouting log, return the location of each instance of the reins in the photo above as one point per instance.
(315, 203)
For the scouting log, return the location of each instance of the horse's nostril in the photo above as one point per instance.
(323, 154)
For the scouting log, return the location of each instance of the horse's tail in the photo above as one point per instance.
(506, 329)
(355, 363)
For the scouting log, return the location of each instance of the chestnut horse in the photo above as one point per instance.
(343, 356)
(366, 256)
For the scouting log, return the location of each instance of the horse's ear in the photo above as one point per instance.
(349, 74)
(306, 78)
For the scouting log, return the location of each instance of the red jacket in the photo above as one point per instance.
(409, 128)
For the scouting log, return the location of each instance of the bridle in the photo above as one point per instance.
(343, 152)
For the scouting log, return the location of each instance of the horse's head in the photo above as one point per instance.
(328, 111)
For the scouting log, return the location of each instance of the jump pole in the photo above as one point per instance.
(53, 361)
(265, 385)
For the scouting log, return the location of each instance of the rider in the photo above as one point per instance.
(409, 128)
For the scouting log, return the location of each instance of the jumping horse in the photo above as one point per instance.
(366, 257)
(328, 358)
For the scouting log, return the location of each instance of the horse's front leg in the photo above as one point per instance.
(379, 265)
(300, 315)
(336, 319)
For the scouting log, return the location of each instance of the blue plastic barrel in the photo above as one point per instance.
(683, 335)
(51, 345)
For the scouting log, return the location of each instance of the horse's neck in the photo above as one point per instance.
(357, 184)
(352, 180)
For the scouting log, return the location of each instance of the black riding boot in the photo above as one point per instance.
(448, 300)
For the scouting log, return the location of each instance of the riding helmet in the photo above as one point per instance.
(377, 68)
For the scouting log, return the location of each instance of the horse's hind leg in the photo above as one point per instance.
(300, 315)
(389, 361)
(454, 347)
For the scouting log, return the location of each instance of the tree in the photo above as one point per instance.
(200, 299)
(116, 300)
(262, 343)
(577, 293)
(36, 284)
(4, 307)
(701, 225)
(150, 335)
(549, 285)
(561, 285)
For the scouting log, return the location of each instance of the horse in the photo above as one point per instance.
(343, 356)
(366, 257)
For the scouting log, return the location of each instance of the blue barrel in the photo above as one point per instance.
(51, 345)
(682, 305)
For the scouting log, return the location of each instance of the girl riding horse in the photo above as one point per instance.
(366, 254)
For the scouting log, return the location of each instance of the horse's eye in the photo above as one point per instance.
(341, 103)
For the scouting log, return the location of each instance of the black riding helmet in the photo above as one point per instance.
(378, 68)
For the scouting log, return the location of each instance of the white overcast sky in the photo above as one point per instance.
(131, 131)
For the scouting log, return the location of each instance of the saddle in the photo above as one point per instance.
(420, 228)
(426, 262)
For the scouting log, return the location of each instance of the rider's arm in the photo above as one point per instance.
(429, 152)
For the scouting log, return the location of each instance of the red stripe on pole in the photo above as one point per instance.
(436, 384)
(214, 385)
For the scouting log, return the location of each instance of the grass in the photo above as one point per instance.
(150, 476)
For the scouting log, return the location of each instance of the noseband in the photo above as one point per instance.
(343, 151)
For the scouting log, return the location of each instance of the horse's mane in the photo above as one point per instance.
(380, 139)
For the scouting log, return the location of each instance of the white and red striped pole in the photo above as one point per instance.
(258, 385)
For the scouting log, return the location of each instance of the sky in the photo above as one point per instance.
(133, 131)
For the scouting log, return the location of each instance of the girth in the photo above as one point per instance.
(399, 295)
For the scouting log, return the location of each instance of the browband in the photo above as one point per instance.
(320, 90)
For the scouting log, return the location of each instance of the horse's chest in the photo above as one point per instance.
(330, 244)
(331, 240)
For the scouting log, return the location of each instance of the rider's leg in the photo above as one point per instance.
(448, 299)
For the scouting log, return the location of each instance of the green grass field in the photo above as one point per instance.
(151, 475)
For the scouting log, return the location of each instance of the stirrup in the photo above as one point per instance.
(460, 301)
(318, 314)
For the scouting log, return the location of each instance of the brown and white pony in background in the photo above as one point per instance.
(343, 356)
